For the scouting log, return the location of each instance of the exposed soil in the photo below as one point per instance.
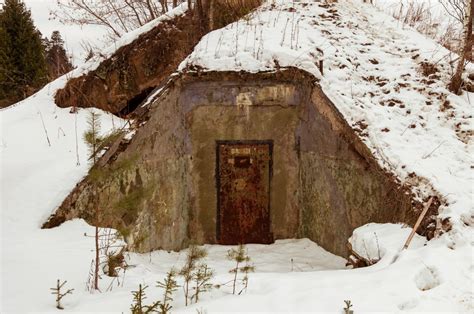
(120, 81)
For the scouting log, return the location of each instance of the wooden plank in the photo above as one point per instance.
(418, 222)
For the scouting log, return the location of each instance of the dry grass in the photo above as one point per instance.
(420, 16)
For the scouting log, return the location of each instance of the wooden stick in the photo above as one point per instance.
(349, 246)
(418, 222)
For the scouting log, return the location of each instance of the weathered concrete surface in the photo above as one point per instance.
(342, 187)
(160, 189)
(242, 111)
(142, 192)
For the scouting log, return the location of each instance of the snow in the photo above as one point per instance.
(291, 275)
(376, 241)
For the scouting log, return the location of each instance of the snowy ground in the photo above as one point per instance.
(430, 276)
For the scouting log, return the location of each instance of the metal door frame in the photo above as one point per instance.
(218, 181)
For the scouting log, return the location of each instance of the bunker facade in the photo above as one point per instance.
(227, 157)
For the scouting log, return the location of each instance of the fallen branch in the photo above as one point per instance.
(428, 155)
(355, 259)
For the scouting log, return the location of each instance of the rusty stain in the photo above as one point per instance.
(243, 182)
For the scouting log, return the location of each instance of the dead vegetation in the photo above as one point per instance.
(419, 15)
(428, 68)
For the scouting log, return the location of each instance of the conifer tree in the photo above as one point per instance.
(240, 256)
(202, 278)
(188, 271)
(22, 62)
(170, 285)
(139, 297)
(56, 56)
(92, 135)
(60, 295)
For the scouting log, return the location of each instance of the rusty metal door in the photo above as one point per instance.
(244, 170)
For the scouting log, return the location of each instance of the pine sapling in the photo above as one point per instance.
(139, 297)
(92, 135)
(59, 295)
(97, 250)
(240, 256)
(347, 309)
(96, 143)
(170, 285)
(187, 272)
(202, 279)
(246, 270)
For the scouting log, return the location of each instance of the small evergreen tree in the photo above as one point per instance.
(59, 295)
(240, 256)
(347, 309)
(170, 285)
(92, 135)
(56, 56)
(188, 271)
(93, 139)
(22, 62)
(139, 297)
(202, 279)
(96, 142)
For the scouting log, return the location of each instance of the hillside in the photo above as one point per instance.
(389, 84)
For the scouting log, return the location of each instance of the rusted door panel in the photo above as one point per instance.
(243, 183)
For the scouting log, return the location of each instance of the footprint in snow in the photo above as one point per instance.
(408, 305)
(427, 278)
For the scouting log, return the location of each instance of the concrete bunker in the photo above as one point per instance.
(227, 157)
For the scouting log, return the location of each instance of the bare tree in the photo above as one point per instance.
(455, 8)
(458, 9)
(117, 16)
(466, 47)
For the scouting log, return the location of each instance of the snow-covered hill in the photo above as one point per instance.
(370, 62)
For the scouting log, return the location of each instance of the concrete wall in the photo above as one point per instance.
(341, 188)
(160, 189)
(242, 111)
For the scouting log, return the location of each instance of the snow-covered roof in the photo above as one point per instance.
(377, 73)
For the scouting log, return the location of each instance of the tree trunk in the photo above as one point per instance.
(150, 9)
(469, 34)
(211, 14)
(201, 16)
(164, 6)
(466, 47)
(97, 259)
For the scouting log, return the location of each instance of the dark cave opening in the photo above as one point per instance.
(134, 102)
